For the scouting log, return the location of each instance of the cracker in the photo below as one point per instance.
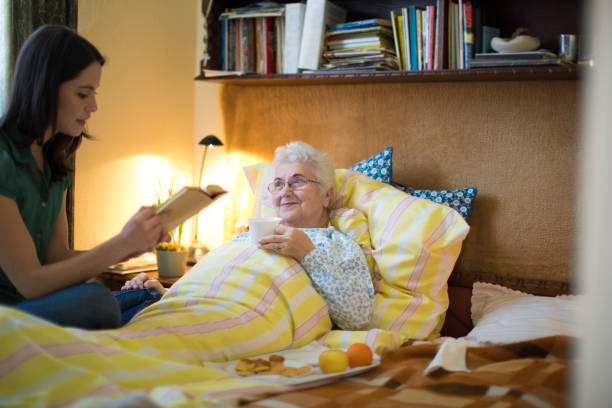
(275, 365)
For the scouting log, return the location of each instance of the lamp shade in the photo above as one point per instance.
(211, 140)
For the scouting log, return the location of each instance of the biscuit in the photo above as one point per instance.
(275, 365)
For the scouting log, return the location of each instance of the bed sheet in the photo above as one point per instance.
(526, 374)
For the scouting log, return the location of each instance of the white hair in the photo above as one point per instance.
(320, 163)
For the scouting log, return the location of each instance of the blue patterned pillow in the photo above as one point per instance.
(377, 167)
(460, 200)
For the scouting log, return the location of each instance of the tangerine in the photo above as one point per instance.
(359, 354)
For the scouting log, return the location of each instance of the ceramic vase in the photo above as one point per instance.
(171, 264)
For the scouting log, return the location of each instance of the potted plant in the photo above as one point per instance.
(171, 256)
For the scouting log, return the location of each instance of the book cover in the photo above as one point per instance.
(513, 62)
(373, 22)
(412, 29)
(143, 263)
(468, 33)
(527, 55)
(364, 31)
(254, 10)
(187, 202)
(360, 40)
(294, 22)
(395, 24)
(319, 15)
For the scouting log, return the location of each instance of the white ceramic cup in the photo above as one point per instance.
(260, 227)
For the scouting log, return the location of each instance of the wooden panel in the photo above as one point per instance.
(515, 141)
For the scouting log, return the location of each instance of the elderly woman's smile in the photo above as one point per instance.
(297, 196)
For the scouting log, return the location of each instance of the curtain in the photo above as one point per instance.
(25, 16)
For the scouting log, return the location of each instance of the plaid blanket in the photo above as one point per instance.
(527, 374)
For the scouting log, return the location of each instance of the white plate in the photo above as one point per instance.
(315, 377)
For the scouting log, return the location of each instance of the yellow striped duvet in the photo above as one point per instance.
(238, 301)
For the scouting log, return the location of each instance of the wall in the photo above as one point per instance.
(145, 124)
(514, 140)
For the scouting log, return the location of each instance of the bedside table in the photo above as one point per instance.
(115, 281)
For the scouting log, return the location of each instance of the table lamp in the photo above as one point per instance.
(196, 249)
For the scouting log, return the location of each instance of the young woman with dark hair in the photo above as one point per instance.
(53, 95)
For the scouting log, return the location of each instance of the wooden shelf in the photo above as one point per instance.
(569, 72)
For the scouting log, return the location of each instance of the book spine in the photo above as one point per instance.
(488, 33)
(412, 25)
(270, 43)
(477, 29)
(460, 26)
(318, 15)
(403, 30)
(419, 20)
(441, 57)
(424, 35)
(251, 50)
(396, 39)
(224, 25)
(238, 48)
(468, 33)
(278, 44)
(451, 32)
(260, 42)
(431, 15)
(294, 22)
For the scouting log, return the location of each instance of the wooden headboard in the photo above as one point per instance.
(516, 141)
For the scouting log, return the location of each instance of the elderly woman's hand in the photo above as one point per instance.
(141, 281)
(288, 241)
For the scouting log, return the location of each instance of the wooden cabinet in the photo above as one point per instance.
(545, 19)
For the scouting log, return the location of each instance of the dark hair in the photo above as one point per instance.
(51, 55)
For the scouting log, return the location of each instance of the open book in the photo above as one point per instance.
(187, 202)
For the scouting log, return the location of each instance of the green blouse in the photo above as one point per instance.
(39, 200)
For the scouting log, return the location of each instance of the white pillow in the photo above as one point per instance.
(504, 315)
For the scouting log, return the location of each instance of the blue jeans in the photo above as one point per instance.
(134, 300)
(86, 305)
(90, 306)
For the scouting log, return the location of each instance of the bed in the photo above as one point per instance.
(472, 279)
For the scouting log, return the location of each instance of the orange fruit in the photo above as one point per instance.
(359, 354)
(333, 361)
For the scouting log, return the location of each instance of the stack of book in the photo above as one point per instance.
(514, 59)
(360, 45)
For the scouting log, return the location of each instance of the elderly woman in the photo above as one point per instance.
(302, 190)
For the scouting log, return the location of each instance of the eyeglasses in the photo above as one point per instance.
(294, 183)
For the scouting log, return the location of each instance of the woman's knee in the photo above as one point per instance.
(98, 307)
